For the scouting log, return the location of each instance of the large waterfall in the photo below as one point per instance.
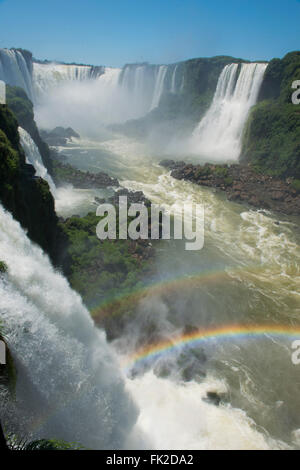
(47, 76)
(16, 71)
(218, 135)
(33, 157)
(147, 83)
(120, 94)
(159, 86)
(69, 385)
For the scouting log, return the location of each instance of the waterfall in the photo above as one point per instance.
(68, 382)
(159, 86)
(218, 135)
(138, 83)
(47, 76)
(110, 78)
(173, 81)
(33, 157)
(138, 88)
(15, 70)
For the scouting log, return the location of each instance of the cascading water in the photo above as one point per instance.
(144, 88)
(48, 76)
(145, 85)
(67, 198)
(218, 135)
(120, 94)
(68, 381)
(15, 70)
(173, 82)
(33, 157)
(159, 86)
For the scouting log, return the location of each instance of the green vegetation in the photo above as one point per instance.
(28, 198)
(3, 267)
(201, 78)
(203, 172)
(296, 185)
(178, 113)
(64, 171)
(228, 181)
(100, 270)
(271, 142)
(22, 107)
(221, 172)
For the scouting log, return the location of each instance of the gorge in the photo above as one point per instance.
(174, 349)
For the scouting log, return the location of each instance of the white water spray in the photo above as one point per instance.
(49, 76)
(159, 86)
(218, 135)
(15, 71)
(33, 157)
(176, 416)
(68, 386)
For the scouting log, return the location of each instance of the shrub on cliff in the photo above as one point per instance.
(27, 197)
(99, 270)
(272, 139)
(296, 185)
(22, 107)
(3, 269)
(271, 142)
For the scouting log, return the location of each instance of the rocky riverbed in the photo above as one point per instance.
(65, 173)
(241, 184)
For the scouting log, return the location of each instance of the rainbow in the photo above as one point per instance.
(111, 307)
(194, 339)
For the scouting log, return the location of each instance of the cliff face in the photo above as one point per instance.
(27, 197)
(22, 108)
(179, 112)
(200, 83)
(271, 142)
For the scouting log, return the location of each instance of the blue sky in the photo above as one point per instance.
(114, 32)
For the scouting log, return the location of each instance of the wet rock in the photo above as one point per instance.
(99, 200)
(172, 164)
(59, 136)
(133, 197)
(241, 184)
(214, 398)
(65, 173)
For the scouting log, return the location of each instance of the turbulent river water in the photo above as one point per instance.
(247, 275)
(242, 289)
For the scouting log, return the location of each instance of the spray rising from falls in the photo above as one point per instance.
(112, 96)
(218, 135)
(67, 198)
(33, 157)
(47, 77)
(63, 93)
(68, 384)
